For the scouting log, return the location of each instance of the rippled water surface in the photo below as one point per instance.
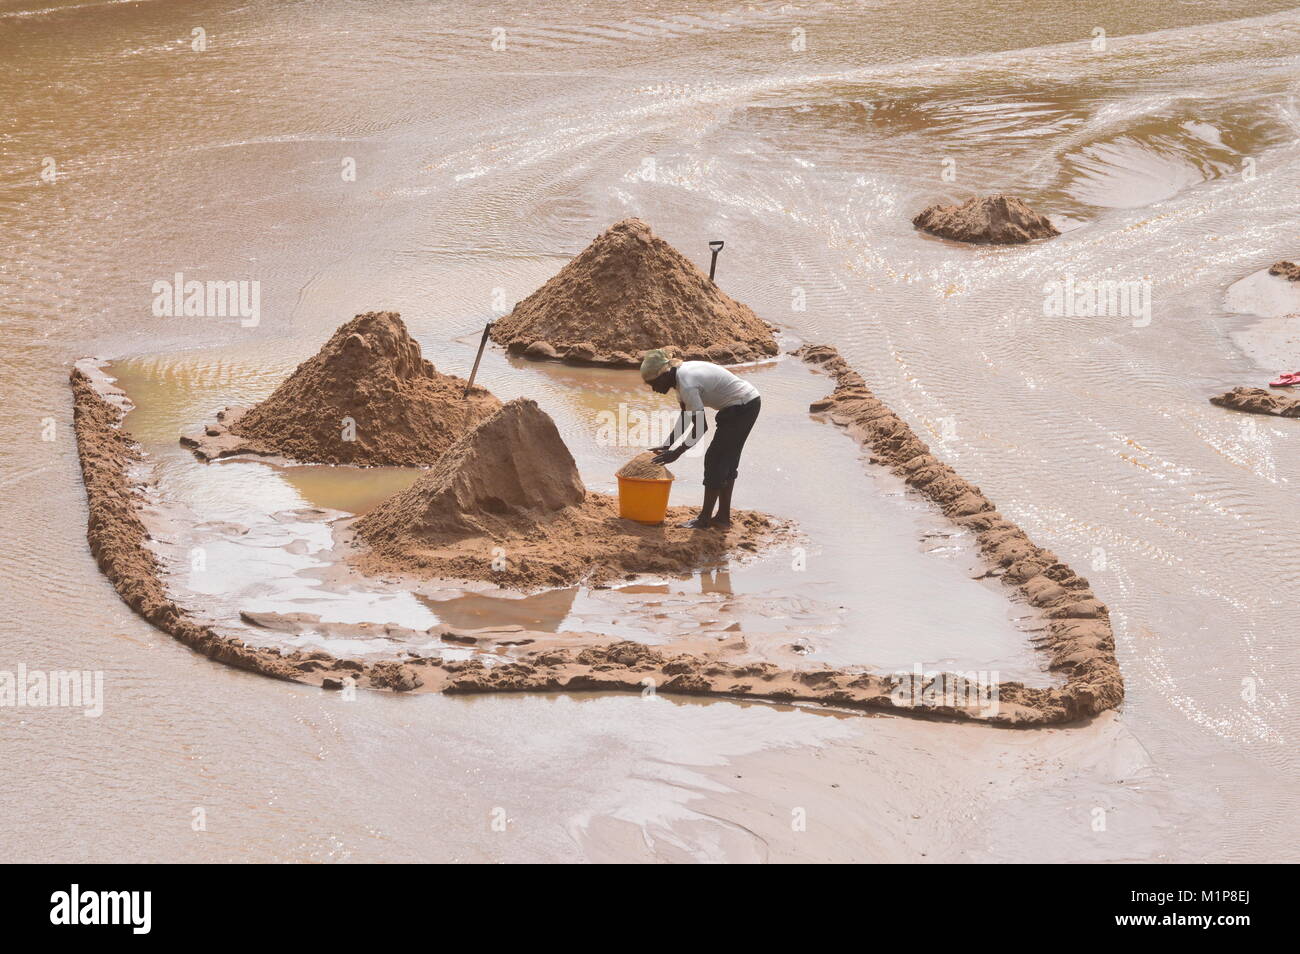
(1167, 156)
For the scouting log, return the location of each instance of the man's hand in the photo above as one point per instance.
(665, 456)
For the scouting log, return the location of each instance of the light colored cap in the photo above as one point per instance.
(655, 363)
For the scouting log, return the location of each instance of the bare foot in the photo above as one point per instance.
(720, 524)
(699, 523)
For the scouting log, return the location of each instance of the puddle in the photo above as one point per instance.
(347, 488)
(875, 577)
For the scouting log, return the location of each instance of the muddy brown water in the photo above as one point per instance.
(478, 172)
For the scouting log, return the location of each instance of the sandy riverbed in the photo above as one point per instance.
(1094, 435)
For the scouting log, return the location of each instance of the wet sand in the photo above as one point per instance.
(863, 795)
(1095, 436)
(1272, 339)
(1259, 401)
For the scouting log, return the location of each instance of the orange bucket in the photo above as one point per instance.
(645, 501)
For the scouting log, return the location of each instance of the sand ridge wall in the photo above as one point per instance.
(1079, 638)
(118, 539)
(1079, 635)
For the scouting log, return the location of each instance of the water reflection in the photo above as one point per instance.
(716, 581)
(544, 612)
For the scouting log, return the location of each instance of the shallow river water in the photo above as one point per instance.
(351, 157)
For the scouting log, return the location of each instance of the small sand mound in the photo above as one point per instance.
(627, 292)
(643, 467)
(993, 220)
(499, 478)
(506, 504)
(1258, 401)
(366, 398)
(1288, 270)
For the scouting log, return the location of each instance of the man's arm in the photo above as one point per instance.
(691, 427)
(678, 431)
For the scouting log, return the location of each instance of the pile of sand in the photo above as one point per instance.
(506, 504)
(993, 219)
(506, 474)
(366, 398)
(643, 467)
(1258, 401)
(1288, 270)
(628, 292)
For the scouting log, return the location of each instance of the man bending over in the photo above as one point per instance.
(702, 384)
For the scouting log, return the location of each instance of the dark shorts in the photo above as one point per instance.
(730, 428)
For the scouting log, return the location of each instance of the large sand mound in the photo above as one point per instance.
(506, 504)
(630, 291)
(992, 219)
(1258, 401)
(366, 398)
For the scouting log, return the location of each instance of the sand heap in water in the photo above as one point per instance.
(506, 504)
(1258, 401)
(1288, 270)
(630, 291)
(507, 474)
(643, 467)
(993, 219)
(366, 398)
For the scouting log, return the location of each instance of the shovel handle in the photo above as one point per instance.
(716, 246)
(477, 358)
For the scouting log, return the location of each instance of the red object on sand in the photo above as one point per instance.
(1289, 379)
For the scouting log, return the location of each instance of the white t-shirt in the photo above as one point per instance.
(702, 384)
